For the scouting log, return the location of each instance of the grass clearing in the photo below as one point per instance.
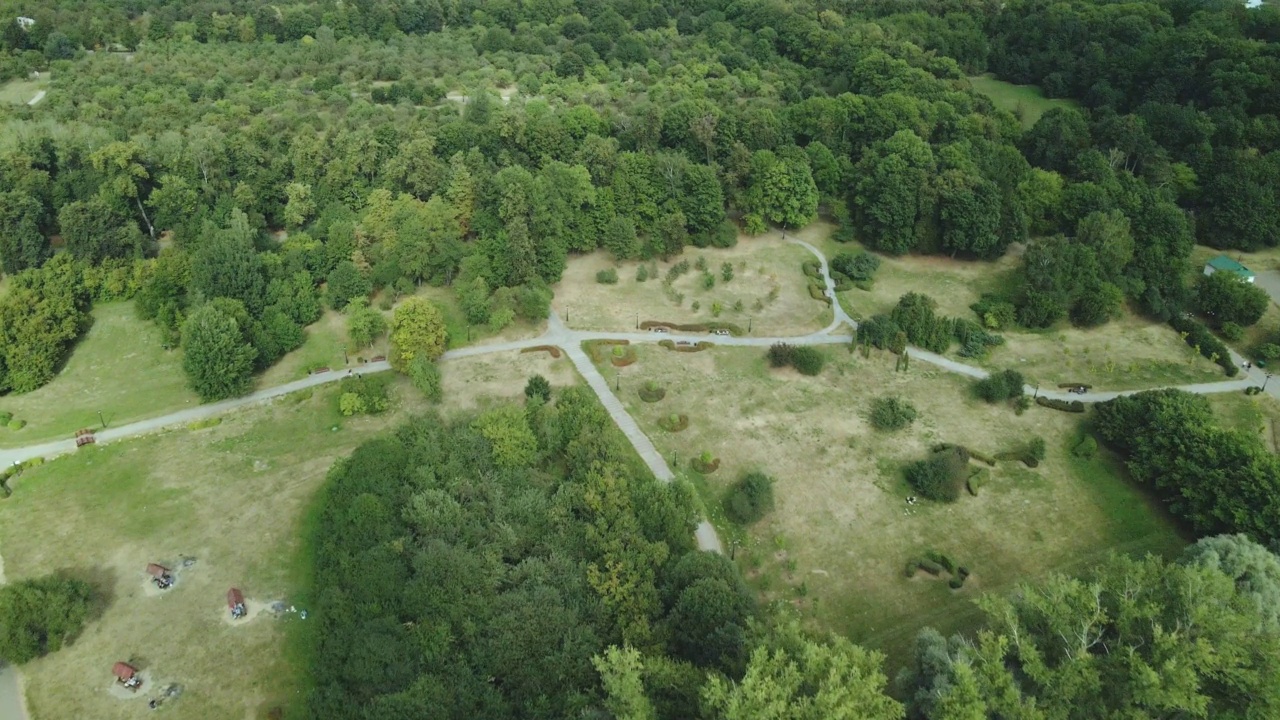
(1258, 414)
(238, 496)
(836, 545)
(119, 368)
(761, 266)
(1026, 102)
(324, 347)
(20, 92)
(1128, 353)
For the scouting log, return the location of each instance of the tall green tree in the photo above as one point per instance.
(216, 357)
(22, 245)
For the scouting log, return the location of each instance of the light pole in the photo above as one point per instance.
(104, 422)
(345, 360)
(637, 319)
(1264, 382)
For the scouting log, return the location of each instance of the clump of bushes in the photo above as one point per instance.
(1072, 406)
(812, 268)
(892, 413)
(42, 614)
(363, 395)
(995, 313)
(538, 387)
(805, 359)
(652, 392)
(914, 320)
(977, 480)
(1199, 337)
(941, 475)
(642, 273)
(858, 267)
(974, 339)
(607, 277)
(997, 387)
(674, 422)
(5, 417)
(749, 499)
(17, 424)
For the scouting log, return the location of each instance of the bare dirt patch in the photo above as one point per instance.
(761, 266)
(841, 499)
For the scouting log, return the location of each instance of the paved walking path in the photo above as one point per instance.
(706, 532)
(39, 96)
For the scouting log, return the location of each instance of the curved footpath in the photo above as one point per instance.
(557, 334)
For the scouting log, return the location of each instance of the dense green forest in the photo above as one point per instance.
(196, 129)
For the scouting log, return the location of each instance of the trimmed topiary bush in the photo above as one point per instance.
(892, 413)
(749, 499)
(1072, 406)
(705, 463)
(674, 422)
(16, 424)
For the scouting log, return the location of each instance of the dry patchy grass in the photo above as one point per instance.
(119, 368)
(841, 534)
(761, 265)
(20, 92)
(235, 497)
(326, 339)
(1125, 354)
(482, 380)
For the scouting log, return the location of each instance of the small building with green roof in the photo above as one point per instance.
(1222, 263)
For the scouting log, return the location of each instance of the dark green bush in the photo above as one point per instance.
(940, 476)
(929, 566)
(607, 277)
(1232, 332)
(1071, 406)
(538, 387)
(955, 583)
(915, 314)
(749, 499)
(1004, 385)
(1198, 336)
(878, 331)
(941, 559)
(860, 266)
(808, 360)
(42, 614)
(892, 413)
(812, 268)
(780, 354)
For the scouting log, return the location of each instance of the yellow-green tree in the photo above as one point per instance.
(417, 330)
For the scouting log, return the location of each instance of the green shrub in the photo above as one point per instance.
(749, 499)
(941, 559)
(780, 354)
(652, 392)
(860, 266)
(819, 292)
(892, 413)
(1004, 385)
(1198, 336)
(994, 313)
(5, 417)
(701, 264)
(955, 583)
(941, 475)
(878, 331)
(642, 273)
(912, 566)
(674, 422)
(1232, 332)
(812, 268)
(16, 424)
(977, 480)
(808, 360)
(708, 281)
(538, 387)
(1036, 449)
(726, 272)
(963, 572)
(607, 277)
(916, 314)
(1086, 449)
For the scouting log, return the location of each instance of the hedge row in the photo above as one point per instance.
(671, 345)
(8, 472)
(812, 268)
(552, 350)
(1200, 337)
(733, 329)
(977, 480)
(1072, 406)
(819, 292)
(982, 457)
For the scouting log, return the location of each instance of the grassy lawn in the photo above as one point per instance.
(1125, 354)
(119, 368)
(20, 92)
(1027, 102)
(836, 545)
(239, 497)
(1251, 413)
(762, 266)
